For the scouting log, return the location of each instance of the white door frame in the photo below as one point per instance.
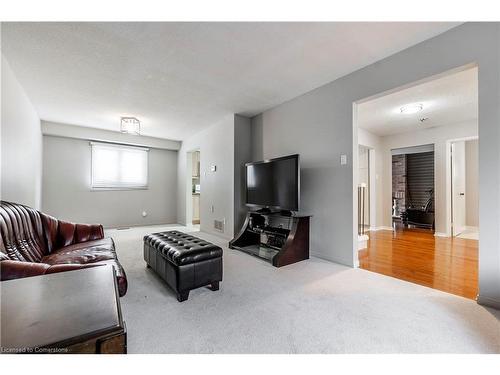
(449, 216)
(372, 198)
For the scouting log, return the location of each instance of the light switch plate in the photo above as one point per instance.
(343, 159)
(213, 168)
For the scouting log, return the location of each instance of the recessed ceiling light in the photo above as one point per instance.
(411, 108)
(130, 125)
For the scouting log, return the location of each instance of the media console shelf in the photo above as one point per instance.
(275, 237)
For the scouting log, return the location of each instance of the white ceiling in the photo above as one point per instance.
(178, 78)
(448, 100)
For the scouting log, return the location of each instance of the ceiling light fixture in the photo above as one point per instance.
(411, 108)
(130, 125)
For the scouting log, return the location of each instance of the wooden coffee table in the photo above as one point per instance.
(68, 312)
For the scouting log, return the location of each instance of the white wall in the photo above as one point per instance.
(216, 146)
(319, 126)
(67, 192)
(21, 143)
(472, 183)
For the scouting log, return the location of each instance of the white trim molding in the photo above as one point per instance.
(472, 228)
(441, 234)
(375, 229)
(362, 241)
(489, 302)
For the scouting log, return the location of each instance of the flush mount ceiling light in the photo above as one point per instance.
(130, 125)
(411, 108)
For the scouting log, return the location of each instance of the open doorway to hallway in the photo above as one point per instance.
(421, 142)
(193, 183)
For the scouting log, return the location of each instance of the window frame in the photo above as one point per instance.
(112, 187)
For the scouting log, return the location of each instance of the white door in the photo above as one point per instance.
(458, 187)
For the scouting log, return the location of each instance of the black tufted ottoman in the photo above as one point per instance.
(185, 262)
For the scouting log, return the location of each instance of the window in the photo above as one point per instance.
(119, 167)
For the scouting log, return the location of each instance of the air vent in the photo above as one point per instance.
(219, 225)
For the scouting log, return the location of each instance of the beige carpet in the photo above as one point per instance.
(313, 306)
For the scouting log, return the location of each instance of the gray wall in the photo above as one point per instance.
(242, 155)
(216, 146)
(85, 133)
(68, 196)
(21, 143)
(472, 183)
(319, 126)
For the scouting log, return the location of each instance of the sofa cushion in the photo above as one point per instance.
(81, 253)
(97, 252)
(181, 248)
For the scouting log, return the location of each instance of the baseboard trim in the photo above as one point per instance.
(362, 241)
(328, 258)
(487, 301)
(218, 234)
(356, 263)
(129, 226)
(440, 234)
(375, 229)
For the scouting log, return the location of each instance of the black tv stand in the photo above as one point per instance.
(277, 237)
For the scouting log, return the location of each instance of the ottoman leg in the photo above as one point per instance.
(182, 296)
(214, 286)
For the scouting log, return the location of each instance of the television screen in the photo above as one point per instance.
(274, 183)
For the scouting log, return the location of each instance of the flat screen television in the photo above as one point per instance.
(274, 183)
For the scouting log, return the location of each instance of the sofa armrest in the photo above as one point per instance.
(14, 269)
(69, 267)
(63, 233)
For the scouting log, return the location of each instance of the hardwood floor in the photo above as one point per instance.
(447, 264)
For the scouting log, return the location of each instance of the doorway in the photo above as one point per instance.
(463, 189)
(193, 196)
(411, 131)
(413, 186)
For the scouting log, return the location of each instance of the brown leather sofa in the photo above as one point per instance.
(33, 243)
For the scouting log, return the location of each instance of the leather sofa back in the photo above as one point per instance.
(28, 235)
(60, 233)
(22, 233)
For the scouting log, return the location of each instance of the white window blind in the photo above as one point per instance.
(119, 167)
